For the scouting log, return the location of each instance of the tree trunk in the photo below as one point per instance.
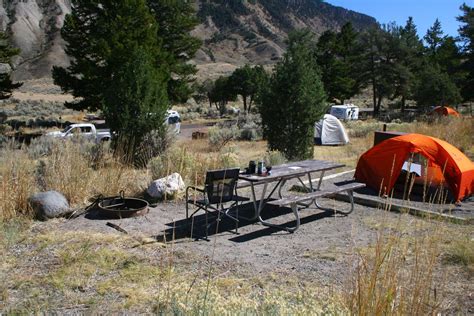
(374, 89)
(244, 97)
(374, 98)
(379, 102)
(250, 103)
(402, 109)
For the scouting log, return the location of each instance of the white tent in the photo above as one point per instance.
(329, 131)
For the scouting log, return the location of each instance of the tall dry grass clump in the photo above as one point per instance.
(456, 131)
(78, 169)
(66, 170)
(17, 183)
(191, 165)
(397, 274)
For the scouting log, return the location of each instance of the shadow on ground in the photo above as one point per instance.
(196, 227)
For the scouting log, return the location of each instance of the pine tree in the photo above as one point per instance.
(466, 33)
(435, 88)
(377, 66)
(434, 37)
(247, 81)
(338, 56)
(99, 37)
(6, 53)
(176, 20)
(411, 57)
(220, 93)
(107, 72)
(295, 100)
(440, 70)
(136, 104)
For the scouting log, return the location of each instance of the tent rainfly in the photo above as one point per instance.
(380, 166)
(446, 111)
(330, 131)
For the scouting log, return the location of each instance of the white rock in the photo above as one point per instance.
(5, 68)
(167, 186)
(49, 204)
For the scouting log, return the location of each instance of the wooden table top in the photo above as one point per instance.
(292, 169)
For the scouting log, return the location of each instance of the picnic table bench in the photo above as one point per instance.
(281, 174)
(296, 200)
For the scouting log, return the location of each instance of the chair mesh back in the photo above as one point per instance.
(220, 185)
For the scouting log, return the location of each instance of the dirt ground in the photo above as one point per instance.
(322, 250)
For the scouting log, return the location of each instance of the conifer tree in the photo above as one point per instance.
(434, 37)
(295, 100)
(176, 20)
(99, 37)
(103, 39)
(247, 81)
(338, 56)
(466, 33)
(136, 98)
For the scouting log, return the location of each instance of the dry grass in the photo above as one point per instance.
(397, 274)
(66, 167)
(401, 273)
(17, 183)
(456, 131)
(100, 273)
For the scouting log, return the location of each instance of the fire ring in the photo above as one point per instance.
(121, 207)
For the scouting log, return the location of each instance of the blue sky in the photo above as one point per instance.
(424, 12)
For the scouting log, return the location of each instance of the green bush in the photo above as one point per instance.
(250, 127)
(274, 158)
(219, 137)
(174, 160)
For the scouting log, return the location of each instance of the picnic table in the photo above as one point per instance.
(280, 175)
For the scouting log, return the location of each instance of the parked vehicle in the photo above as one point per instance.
(173, 120)
(87, 130)
(345, 112)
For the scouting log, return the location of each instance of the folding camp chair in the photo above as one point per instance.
(219, 195)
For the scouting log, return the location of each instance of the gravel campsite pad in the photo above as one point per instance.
(324, 250)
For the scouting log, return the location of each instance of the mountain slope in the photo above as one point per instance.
(233, 31)
(238, 31)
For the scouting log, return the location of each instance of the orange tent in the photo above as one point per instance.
(381, 165)
(446, 111)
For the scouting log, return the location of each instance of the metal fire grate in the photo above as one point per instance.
(120, 206)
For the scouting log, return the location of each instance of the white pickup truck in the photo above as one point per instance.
(87, 130)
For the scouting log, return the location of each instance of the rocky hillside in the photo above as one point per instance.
(233, 31)
(238, 32)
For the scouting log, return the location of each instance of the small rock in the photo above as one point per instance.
(5, 68)
(49, 204)
(168, 186)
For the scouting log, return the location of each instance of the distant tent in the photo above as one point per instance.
(446, 111)
(381, 165)
(330, 131)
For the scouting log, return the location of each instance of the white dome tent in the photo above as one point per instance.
(330, 131)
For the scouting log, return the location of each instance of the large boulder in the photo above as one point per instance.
(49, 204)
(168, 186)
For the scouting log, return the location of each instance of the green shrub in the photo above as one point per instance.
(274, 158)
(219, 137)
(250, 127)
(174, 160)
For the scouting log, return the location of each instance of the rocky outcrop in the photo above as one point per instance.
(34, 26)
(233, 32)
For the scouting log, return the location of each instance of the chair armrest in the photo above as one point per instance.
(193, 188)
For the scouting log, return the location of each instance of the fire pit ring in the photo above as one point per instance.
(121, 207)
